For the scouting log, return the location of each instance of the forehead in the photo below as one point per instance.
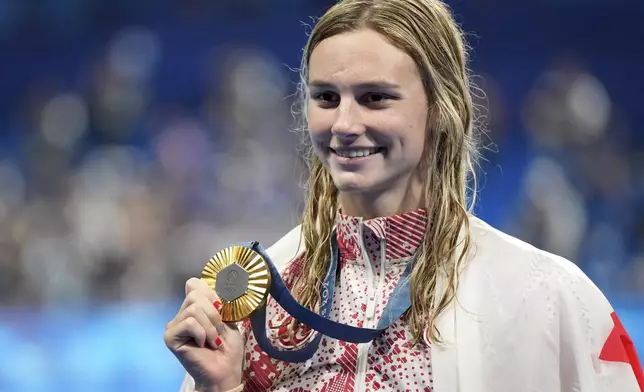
(361, 56)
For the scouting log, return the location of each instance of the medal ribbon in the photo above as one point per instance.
(398, 304)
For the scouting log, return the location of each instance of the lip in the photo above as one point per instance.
(355, 160)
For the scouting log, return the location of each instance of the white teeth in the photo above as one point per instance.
(356, 152)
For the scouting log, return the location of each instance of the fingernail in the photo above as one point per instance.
(218, 305)
(220, 329)
(218, 342)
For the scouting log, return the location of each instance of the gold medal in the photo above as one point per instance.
(241, 278)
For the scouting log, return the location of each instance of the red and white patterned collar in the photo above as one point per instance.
(402, 234)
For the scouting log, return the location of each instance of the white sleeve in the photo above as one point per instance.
(188, 384)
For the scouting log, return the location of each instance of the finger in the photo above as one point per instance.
(195, 284)
(192, 298)
(184, 333)
(210, 310)
(199, 295)
(197, 312)
(217, 320)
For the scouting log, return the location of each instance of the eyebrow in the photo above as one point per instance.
(375, 84)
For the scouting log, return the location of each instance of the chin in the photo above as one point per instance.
(346, 184)
(352, 188)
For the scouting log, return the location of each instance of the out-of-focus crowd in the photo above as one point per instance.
(579, 189)
(107, 196)
(114, 188)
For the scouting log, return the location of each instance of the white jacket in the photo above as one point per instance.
(524, 320)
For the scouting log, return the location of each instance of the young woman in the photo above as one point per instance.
(387, 104)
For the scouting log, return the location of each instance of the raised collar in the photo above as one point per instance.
(401, 234)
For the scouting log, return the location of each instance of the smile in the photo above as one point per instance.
(356, 152)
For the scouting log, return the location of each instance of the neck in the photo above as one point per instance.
(387, 203)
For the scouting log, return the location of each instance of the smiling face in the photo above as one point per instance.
(367, 113)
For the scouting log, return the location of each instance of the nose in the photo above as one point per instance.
(347, 125)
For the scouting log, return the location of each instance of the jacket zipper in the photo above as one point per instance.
(370, 314)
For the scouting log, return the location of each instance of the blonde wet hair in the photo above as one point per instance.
(427, 32)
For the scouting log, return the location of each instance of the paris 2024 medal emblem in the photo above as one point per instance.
(241, 278)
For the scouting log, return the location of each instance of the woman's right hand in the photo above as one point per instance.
(210, 350)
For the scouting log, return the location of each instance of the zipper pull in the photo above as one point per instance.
(371, 308)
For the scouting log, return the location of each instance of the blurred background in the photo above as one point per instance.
(137, 138)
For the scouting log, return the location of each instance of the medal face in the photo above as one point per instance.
(231, 283)
(241, 278)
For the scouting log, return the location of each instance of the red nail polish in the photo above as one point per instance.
(218, 341)
(218, 305)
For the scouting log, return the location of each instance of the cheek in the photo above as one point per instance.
(319, 126)
(317, 137)
(418, 130)
(316, 143)
(418, 138)
(413, 142)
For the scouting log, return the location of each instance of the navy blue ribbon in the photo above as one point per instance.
(398, 304)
